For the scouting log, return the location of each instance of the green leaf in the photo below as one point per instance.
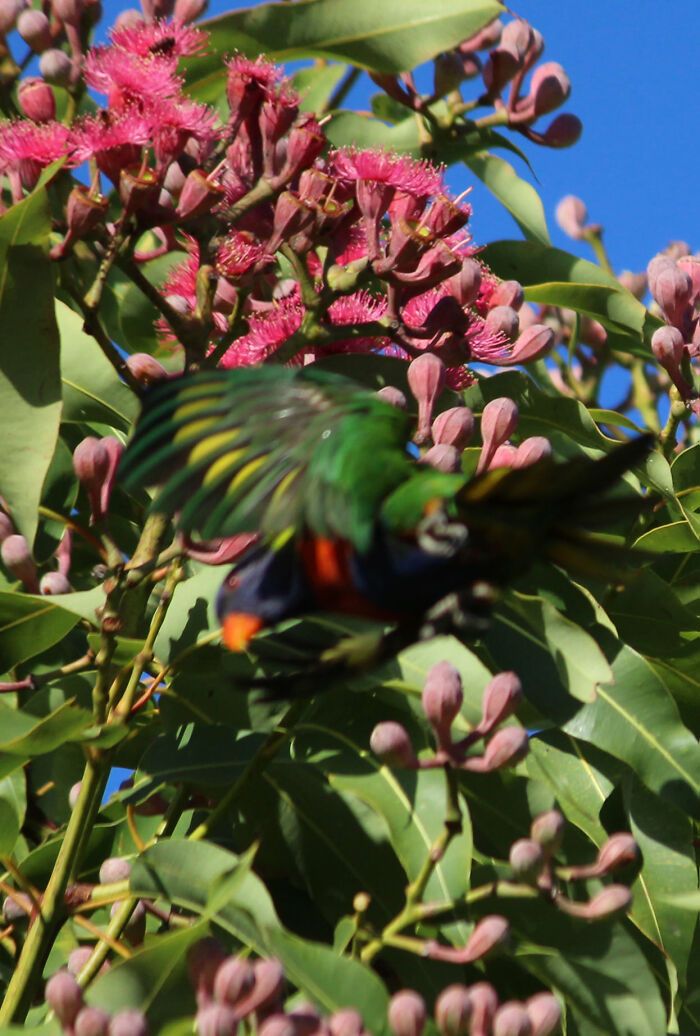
(30, 386)
(636, 720)
(92, 389)
(649, 616)
(29, 625)
(557, 278)
(316, 84)
(184, 872)
(393, 36)
(677, 537)
(517, 195)
(24, 736)
(13, 803)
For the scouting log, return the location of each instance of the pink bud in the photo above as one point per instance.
(453, 427)
(198, 196)
(114, 449)
(6, 526)
(91, 464)
(278, 1024)
(393, 396)
(453, 1009)
(145, 368)
(501, 697)
(571, 214)
(492, 933)
(484, 38)
(544, 1013)
(620, 850)
(531, 451)
(564, 131)
(548, 830)
(636, 283)
(13, 911)
(9, 12)
(135, 928)
(55, 66)
(189, 10)
(74, 794)
(35, 29)
(128, 1023)
(268, 990)
(526, 860)
(503, 320)
(484, 1006)
(533, 342)
(498, 422)
(68, 11)
(448, 73)
(91, 1021)
(690, 265)
(465, 284)
(390, 742)
(203, 960)
(407, 1014)
(442, 699)
(501, 66)
(611, 901)
(347, 1022)
(512, 1019)
(668, 347)
(305, 143)
(672, 289)
(115, 868)
(426, 377)
(17, 558)
(506, 748)
(78, 958)
(549, 88)
(128, 18)
(508, 293)
(64, 996)
(216, 1020)
(35, 97)
(504, 457)
(443, 457)
(234, 980)
(54, 583)
(517, 35)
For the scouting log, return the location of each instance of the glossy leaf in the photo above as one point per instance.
(30, 386)
(29, 625)
(24, 735)
(517, 195)
(13, 803)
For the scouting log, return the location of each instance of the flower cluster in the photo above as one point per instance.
(674, 282)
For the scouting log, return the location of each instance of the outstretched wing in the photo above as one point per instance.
(271, 450)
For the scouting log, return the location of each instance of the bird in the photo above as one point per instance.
(347, 519)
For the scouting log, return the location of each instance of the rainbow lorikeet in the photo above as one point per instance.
(347, 519)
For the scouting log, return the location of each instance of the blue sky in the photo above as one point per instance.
(633, 65)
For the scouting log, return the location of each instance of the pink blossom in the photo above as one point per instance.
(239, 253)
(413, 176)
(27, 147)
(159, 38)
(267, 331)
(260, 71)
(127, 78)
(174, 122)
(114, 141)
(357, 308)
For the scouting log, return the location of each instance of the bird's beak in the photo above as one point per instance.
(239, 628)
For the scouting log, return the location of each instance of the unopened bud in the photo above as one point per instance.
(442, 698)
(407, 1014)
(426, 377)
(17, 558)
(484, 1006)
(13, 910)
(548, 830)
(91, 1021)
(508, 293)
(518, 35)
(307, 1021)
(145, 368)
(544, 1013)
(512, 1019)
(393, 396)
(443, 457)
(189, 10)
(550, 87)
(491, 934)
(135, 928)
(390, 743)
(668, 347)
(268, 990)
(55, 66)
(611, 901)
(68, 11)
(278, 1024)
(128, 1023)
(498, 422)
(453, 427)
(203, 960)
(503, 320)
(533, 342)
(115, 868)
(564, 131)
(502, 64)
(78, 958)
(64, 996)
(453, 1009)
(526, 860)
(504, 457)
(234, 980)
(620, 850)
(571, 214)
(91, 464)
(671, 287)
(636, 283)
(531, 451)
(690, 265)
(506, 748)
(9, 12)
(198, 196)
(128, 19)
(74, 794)
(465, 284)
(347, 1022)
(35, 97)
(216, 1020)
(54, 583)
(448, 73)
(35, 29)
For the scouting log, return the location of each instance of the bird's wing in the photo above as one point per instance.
(271, 450)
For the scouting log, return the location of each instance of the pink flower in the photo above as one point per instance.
(114, 141)
(259, 72)
(27, 147)
(239, 253)
(174, 122)
(127, 78)
(267, 331)
(357, 308)
(410, 175)
(160, 39)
